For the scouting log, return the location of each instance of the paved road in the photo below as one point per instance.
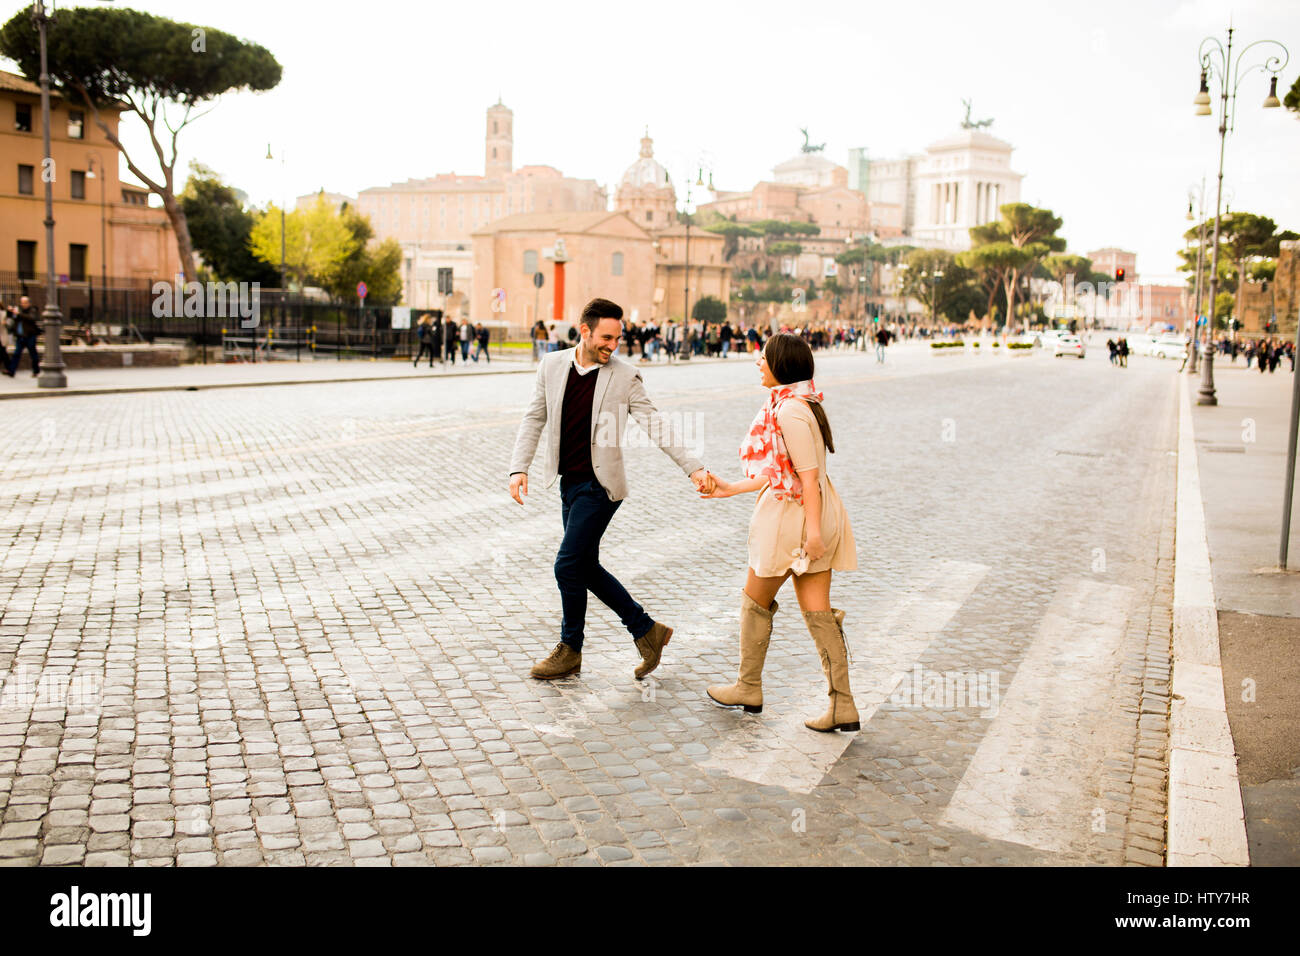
(294, 626)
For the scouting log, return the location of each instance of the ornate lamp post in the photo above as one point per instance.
(1198, 197)
(52, 365)
(1217, 61)
(96, 164)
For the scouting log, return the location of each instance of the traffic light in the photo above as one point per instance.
(1119, 275)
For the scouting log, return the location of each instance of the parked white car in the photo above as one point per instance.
(1066, 344)
(1169, 345)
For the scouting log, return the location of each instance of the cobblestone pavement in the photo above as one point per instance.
(294, 626)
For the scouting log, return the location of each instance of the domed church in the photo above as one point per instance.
(646, 192)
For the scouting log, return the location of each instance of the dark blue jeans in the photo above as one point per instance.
(586, 513)
(27, 342)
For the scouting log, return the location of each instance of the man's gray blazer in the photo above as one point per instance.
(619, 390)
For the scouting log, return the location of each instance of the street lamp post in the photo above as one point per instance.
(1199, 196)
(97, 169)
(934, 297)
(52, 367)
(1217, 60)
(284, 291)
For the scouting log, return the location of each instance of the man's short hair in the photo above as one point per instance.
(598, 309)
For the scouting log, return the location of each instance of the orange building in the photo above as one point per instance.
(101, 224)
(608, 254)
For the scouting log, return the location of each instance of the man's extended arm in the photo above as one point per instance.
(649, 418)
(530, 429)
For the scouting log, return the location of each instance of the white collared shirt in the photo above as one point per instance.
(581, 369)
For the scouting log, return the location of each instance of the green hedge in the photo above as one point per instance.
(1020, 345)
(947, 345)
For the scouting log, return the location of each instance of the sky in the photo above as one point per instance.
(1096, 98)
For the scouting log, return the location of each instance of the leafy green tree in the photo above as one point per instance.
(949, 295)
(1292, 101)
(709, 309)
(378, 265)
(1019, 241)
(317, 241)
(997, 266)
(220, 227)
(108, 58)
(732, 233)
(784, 249)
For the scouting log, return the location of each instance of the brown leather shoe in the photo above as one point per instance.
(651, 645)
(563, 661)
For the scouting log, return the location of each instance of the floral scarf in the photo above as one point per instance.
(763, 453)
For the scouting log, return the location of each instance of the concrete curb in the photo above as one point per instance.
(192, 387)
(1206, 821)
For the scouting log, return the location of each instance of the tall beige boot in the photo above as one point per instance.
(755, 633)
(827, 630)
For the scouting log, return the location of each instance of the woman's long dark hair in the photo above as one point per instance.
(791, 360)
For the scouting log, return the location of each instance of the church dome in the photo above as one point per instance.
(646, 171)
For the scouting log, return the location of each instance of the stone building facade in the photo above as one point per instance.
(609, 255)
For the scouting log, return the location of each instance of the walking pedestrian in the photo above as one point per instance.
(799, 527)
(1123, 352)
(7, 315)
(449, 338)
(882, 341)
(424, 332)
(466, 335)
(539, 340)
(482, 337)
(593, 392)
(26, 329)
(435, 337)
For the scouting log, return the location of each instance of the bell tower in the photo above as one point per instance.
(499, 143)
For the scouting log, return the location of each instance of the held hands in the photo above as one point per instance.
(715, 487)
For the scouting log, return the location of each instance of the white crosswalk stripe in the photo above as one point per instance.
(1035, 778)
(775, 748)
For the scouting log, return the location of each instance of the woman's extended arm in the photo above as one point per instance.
(723, 489)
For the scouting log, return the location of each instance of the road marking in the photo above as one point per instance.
(1035, 778)
(776, 748)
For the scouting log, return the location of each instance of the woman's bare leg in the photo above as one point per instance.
(813, 590)
(762, 591)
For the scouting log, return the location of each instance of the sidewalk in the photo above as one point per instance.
(99, 381)
(94, 381)
(1241, 449)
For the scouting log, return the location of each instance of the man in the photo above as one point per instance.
(882, 341)
(583, 398)
(450, 338)
(466, 336)
(26, 329)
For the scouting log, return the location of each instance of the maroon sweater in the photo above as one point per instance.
(575, 426)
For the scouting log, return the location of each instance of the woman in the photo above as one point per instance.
(799, 527)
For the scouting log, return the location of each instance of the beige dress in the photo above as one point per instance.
(776, 528)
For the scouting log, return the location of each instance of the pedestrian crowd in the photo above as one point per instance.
(441, 337)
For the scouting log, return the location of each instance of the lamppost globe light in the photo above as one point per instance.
(1203, 96)
(1271, 101)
